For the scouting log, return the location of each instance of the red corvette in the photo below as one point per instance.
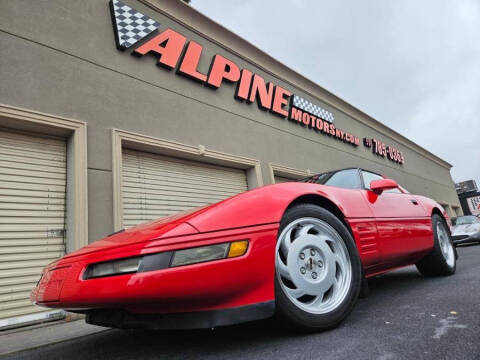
(301, 250)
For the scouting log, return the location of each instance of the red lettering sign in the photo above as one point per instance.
(222, 69)
(189, 64)
(261, 92)
(315, 123)
(168, 45)
(280, 100)
(383, 150)
(243, 87)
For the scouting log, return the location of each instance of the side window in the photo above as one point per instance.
(368, 177)
(347, 179)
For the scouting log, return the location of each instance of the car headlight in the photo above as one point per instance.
(116, 267)
(199, 254)
(209, 253)
(164, 260)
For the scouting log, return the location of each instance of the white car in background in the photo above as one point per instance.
(466, 229)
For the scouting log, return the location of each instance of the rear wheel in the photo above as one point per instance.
(318, 271)
(442, 260)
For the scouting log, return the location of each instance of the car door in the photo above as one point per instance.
(404, 227)
(363, 225)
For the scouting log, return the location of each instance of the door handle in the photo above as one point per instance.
(414, 202)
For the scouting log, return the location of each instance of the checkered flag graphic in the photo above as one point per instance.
(130, 25)
(313, 109)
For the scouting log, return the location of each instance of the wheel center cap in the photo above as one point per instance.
(310, 264)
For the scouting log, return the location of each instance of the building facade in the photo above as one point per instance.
(93, 139)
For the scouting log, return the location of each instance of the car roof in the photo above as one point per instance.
(349, 168)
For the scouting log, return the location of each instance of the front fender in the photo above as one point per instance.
(267, 205)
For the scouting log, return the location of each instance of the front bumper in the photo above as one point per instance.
(464, 239)
(121, 319)
(209, 286)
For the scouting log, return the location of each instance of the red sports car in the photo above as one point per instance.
(300, 250)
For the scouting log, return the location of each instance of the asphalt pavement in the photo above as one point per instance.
(406, 316)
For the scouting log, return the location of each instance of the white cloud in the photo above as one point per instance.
(414, 65)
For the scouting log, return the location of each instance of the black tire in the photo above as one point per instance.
(293, 316)
(435, 263)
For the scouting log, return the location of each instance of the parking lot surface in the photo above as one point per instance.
(406, 316)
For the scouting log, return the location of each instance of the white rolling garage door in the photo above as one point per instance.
(155, 186)
(281, 179)
(32, 216)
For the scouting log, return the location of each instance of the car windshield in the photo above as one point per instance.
(347, 179)
(463, 220)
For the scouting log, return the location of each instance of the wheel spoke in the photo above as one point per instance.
(286, 241)
(283, 269)
(296, 293)
(305, 229)
(317, 301)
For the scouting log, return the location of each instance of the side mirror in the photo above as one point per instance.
(378, 186)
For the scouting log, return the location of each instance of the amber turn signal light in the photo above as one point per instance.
(238, 248)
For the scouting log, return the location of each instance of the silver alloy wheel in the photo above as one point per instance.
(313, 265)
(445, 244)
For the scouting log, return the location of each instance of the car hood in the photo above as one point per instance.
(170, 226)
(465, 229)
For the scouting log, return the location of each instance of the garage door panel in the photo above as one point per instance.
(185, 179)
(280, 179)
(5, 258)
(14, 304)
(15, 273)
(50, 195)
(32, 215)
(135, 206)
(33, 279)
(30, 249)
(186, 182)
(38, 214)
(24, 141)
(32, 178)
(9, 227)
(27, 310)
(182, 172)
(19, 201)
(14, 296)
(177, 191)
(21, 159)
(12, 289)
(39, 264)
(29, 235)
(40, 241)
(11, 165)
(9, 188)
(32, 151)
(53, 223)
(34, 156)
(155, 186)
(150, 162)
(14, 205)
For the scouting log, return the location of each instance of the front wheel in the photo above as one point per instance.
(318, 270)
(442, 260)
